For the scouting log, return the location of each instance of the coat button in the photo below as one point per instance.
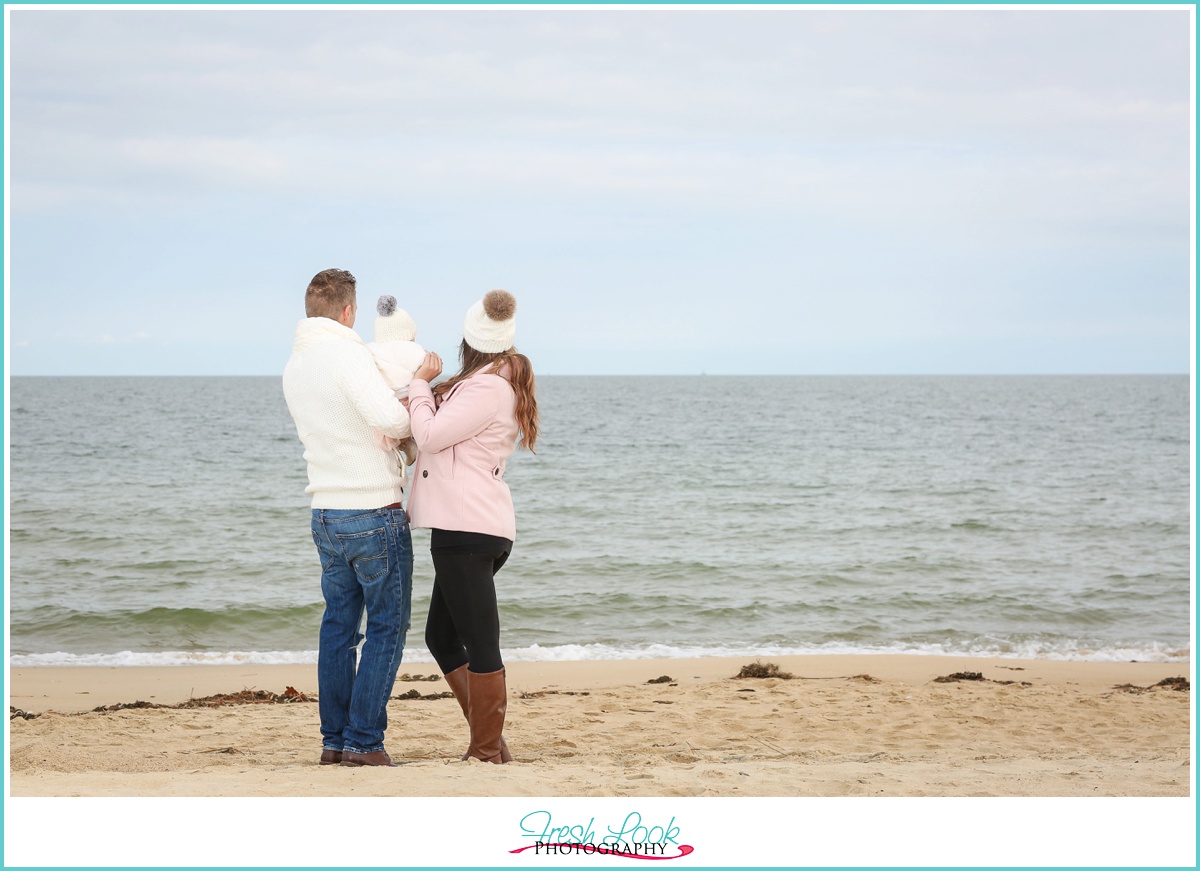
(425, 474)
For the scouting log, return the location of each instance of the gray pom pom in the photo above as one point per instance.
(386, 305)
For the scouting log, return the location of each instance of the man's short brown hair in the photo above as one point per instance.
(329, 293)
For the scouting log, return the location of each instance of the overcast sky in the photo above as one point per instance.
(690, 190)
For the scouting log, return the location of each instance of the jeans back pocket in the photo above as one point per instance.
(367, 553)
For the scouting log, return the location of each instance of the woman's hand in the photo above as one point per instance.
(430, 368)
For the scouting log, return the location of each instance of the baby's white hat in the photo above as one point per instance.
(491, 323)
(393, 324)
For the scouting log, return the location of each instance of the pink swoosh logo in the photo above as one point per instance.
(684, 850)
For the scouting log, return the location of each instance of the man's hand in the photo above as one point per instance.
(430, 368)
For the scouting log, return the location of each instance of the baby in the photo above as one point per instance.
(398, 357)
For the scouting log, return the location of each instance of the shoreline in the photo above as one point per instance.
(74, 689)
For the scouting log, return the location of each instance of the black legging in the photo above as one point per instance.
(464, 624)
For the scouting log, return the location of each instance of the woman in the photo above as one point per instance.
(465, 429)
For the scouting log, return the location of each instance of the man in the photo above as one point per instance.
(336, 397)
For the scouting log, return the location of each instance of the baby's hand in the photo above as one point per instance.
(430, 368)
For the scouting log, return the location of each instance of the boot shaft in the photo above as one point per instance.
(487, 704)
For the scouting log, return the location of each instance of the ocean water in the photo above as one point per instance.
(164, 521)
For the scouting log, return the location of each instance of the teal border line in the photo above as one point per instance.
(81, 5)
(264, 5)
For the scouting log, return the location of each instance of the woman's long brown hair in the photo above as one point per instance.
(519, 375)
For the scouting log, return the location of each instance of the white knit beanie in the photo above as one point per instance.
(393, 324)
(491, 323)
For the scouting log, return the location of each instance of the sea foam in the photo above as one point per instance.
(602, 652)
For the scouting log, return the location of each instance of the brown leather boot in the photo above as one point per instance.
(457, 680)
(487, 703)
(350, 759)
(460, 686)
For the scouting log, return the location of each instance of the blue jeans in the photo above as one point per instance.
(366, 563)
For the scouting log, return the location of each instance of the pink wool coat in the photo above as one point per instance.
(462, 448)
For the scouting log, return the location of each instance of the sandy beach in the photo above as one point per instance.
(841, 726)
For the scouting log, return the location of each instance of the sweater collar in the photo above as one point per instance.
(312, 330)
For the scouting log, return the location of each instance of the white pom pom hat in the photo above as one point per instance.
(491, 323)
(393, 324)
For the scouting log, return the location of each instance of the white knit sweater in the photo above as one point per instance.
(336, 395)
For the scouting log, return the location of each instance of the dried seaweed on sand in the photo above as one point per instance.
(959, 675)
(416, 694)
(763, 670)
(245, 697)
(977, 676)
(1178, 684)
